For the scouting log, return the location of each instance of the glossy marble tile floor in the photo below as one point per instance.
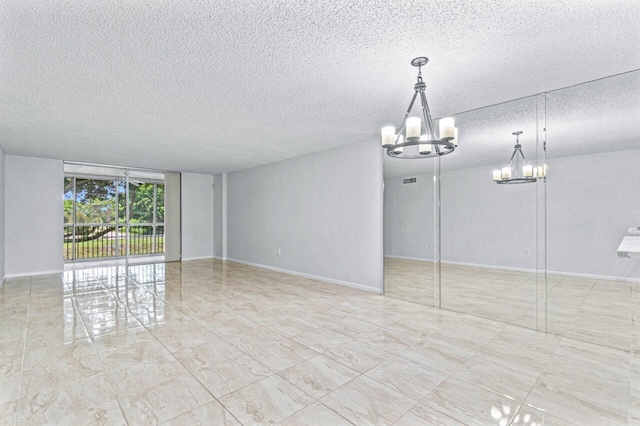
(590, 310)
(209, 342)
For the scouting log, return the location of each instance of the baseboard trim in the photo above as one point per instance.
(476, 265)
(33, 274)
(310, 276)
(480, 265)
(187, 259)
(515, 269)
(596, 277)
(419, 259)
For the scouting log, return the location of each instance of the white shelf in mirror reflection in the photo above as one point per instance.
(630, 247)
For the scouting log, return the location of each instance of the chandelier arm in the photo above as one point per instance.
(440, 147)
(404, 120)
(428, 121)
(512, 156)
(518, 176)
(524, 160)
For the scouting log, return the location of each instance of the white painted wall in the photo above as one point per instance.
(2, 223)
(197, 216)
(217, 216)
(33, 215)
(323, 211)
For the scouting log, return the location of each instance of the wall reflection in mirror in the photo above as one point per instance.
(593, 198)
(409, 225)
(488, 227)
(555, 252)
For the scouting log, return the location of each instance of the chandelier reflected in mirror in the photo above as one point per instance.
(518, 171)
(416, 137)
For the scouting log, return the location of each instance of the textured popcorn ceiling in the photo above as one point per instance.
(599, 116)
(212, 86)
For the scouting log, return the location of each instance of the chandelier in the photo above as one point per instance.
(518, 171)
(416, 137)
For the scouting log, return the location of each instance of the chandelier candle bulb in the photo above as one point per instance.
(544, 170)
(418, 132)
(424, 148)
(525, 174)
(447, 126)
(388, 135)
(497, 175)
(413, 127)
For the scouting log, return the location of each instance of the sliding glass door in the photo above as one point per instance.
(114, 216)
(145, 218)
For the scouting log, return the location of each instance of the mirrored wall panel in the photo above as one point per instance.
(533, 221)
(410, 268)
(593, 211)
(488, 214)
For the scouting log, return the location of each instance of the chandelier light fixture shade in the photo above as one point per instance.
(518, 171)
(416, 136)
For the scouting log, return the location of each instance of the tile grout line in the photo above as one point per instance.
(176, 359)
(524, 401)
(471, 384)
(360, 374)
(278, 373)
(255, 319)
(91, 337)
(378, 328)
(574, 316)
(344, 384)
(154, 337)
(24, 354)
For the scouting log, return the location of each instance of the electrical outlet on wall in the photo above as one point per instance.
(527, 251)
(426, 245)
(279, 251)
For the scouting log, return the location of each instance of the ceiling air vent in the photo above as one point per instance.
(409, 180)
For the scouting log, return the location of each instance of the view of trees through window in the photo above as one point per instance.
(104, 218)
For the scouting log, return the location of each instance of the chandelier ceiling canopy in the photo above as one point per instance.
(416, 136)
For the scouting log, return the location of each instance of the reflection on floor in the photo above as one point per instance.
(590, 310)
(113, 261)
(222, 343)
(409, 280)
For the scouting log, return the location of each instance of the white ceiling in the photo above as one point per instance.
(599, 116)
(213, 86)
